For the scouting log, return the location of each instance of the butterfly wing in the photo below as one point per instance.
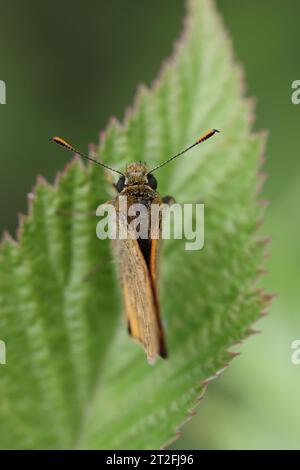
(140, 297)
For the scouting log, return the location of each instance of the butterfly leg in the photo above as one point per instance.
(168, 200)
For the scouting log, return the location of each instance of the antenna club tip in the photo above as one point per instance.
(216, 130)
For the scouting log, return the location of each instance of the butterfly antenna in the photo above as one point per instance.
(69, 147)
(205, 136)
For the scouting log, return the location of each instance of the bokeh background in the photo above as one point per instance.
(69, 66)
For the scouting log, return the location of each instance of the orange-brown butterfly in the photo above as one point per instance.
(137, 259)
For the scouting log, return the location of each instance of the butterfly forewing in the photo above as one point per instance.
(138, 270)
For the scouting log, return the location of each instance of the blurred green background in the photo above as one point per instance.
(69, 66)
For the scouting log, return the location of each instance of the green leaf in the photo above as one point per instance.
(73, 378)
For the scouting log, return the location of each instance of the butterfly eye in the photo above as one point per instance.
(120, 184)
(152, 182)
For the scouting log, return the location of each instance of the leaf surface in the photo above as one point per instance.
(73, 378)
